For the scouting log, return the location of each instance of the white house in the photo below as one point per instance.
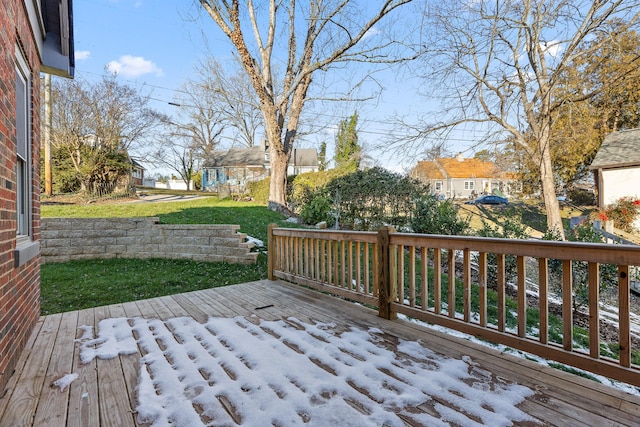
(616, 167)
(235, 168)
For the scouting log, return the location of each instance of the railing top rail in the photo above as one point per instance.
(580, 251)
(591, 252)
(354, 236)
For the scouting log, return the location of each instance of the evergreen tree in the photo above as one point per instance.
(348, 151)
(322, 157)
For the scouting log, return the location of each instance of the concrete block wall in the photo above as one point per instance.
(65, 239)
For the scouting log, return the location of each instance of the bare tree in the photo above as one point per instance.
(192, 135)
(233, 95)
(499, 64)
(97, 124)
(179, 155)
(332, 29)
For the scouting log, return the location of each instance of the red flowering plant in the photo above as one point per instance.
(623, 212)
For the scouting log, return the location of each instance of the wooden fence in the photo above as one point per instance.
(502, 290)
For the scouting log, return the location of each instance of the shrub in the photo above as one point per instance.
(259, 190)
(197, 181)
(433, 216)
(623, 212)
(306, 186)
(581, 197)
(368, 199)
(318, 209)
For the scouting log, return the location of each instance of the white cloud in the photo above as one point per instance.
(133, 66)
(82, 54)
(370, 33)
(552, 48)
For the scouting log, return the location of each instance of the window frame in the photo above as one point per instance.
(24, 147)
(470, 185)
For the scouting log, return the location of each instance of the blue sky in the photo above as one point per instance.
(154, 45)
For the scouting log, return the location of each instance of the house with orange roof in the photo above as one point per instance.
(459, 177)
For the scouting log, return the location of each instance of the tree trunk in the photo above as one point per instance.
(551, 205)
(278, 184)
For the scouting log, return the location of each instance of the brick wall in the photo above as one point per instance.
(19, 286)
(64, 239)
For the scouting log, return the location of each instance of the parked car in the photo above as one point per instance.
(489, 200)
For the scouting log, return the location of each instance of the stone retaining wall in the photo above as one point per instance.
(65, 239)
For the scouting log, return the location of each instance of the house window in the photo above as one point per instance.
(438, 186)
(23, 149)
(469, 185)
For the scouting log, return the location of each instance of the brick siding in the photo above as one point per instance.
(19, 286)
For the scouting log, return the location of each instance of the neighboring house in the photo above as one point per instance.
(457, 177)
(137, 173)
(616, 167)
(35, 36)
(235, 168)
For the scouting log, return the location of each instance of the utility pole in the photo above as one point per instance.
(48, 121)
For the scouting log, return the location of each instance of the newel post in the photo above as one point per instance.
(387, 263)
(271, 251)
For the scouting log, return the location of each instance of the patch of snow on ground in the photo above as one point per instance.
(628, 388)
(259, 243)
(63, 382)
(290, 373)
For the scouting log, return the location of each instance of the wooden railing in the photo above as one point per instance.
(502, 290)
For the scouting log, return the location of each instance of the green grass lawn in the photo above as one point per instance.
(82, 284)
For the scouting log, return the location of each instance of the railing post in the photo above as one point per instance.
(271, 251)
(386, 289)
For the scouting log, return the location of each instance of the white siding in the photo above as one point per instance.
(617, 183)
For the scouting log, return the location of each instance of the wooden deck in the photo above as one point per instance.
(105, 392)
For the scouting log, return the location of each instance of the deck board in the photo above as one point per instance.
(83, 395)
(23, 402)
(105, 392)
(114, 407)
(60, 364)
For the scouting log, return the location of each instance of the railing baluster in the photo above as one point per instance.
(567, 305)
(358, 268)
(305, 257)
(336, 264)
(624, 329)
(522, 296)
(330, 269)
(300, 257)
(343, 264)
(501, 285)
(466, 284)
(412, 276)
(424, 276)
(376, 270)
(543, 298)
(365, 257)
(316, 248)
(594, 312)
(437, 280)
(451, 259)
(482, 284)
(350, 265)
(400, 278)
